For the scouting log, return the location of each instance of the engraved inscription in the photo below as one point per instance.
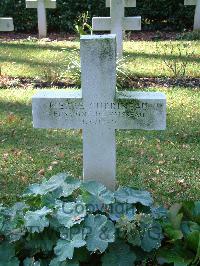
(102, 112)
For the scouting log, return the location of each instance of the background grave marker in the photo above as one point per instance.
(197, 12)
(117, 23)
(6, 24)
(98, 109)
(41, 6)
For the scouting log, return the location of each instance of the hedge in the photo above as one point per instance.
(156, 14)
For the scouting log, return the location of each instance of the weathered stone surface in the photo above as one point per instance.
(117, 23)
(190, 2)
(6, 24)
(98, 109)
(127, 110)
(127, 3)
(47, 3)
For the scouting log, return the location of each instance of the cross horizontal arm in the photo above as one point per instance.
(101, 24)
(129, 110)
(127, 3)
(141, 110)
(58, 109)
(6, 24)
(34, 3)
(190, 2)
(132, 23)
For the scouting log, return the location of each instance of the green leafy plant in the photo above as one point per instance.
(190, 36)
(182, 233)
(74, 70)
(82, 26)
(65, 221)
(50, 75)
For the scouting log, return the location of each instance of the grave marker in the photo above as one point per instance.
(6, 24)
(98, 109)
(197, 12)
(117, 23)
(41, 6)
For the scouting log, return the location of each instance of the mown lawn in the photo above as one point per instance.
(167, 163)
(40, 59)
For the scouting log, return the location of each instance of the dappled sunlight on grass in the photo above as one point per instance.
(164, 162)
(34, 58)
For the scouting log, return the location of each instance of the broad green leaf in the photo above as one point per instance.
(117, 210)
(82, 254)
(70, 239)
(174, 216)
(42, 242)
(7, 251)
(192, 210)
(71, 213)
(152, 237)
(13, 222)
(134, 238)
(93, 204)
(99, 191)
(159, 212)
(193, 240)
(32, 262)
(101, 231)
(173, 234)
(119, 254)
(56, 262)
(36, 221)
(60, 185)
(11, 262)
(188, 227)
(129, 195)
(176, 256)
(28, 262)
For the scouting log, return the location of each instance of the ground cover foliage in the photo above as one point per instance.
(63, 221)
(156, 14)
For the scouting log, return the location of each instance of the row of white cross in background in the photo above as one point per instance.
(117, 23)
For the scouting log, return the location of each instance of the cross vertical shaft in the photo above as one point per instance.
(42, 21)
(98, 64)
(117, 15)
(197, 16)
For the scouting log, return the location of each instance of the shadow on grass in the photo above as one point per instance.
(30, 61)
(28, 46)
(191, 59)
(17, 119)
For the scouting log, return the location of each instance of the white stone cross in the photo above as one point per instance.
(99, 109)
(41, 6)
(6, 24)
(197, 12)
(117, 23)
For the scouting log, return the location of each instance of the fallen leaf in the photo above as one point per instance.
(5, 156)
(41, 172)
(54, 163)
(11, 118)
(61, 155)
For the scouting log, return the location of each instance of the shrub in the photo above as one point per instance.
(190, 36)
(156, 14)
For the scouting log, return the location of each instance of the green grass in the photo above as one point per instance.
(36, 58)
(167, 163)
(164, 162)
